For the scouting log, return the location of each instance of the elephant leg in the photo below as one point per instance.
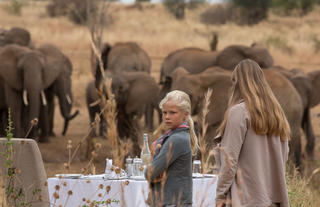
(44, 124)
(92, 113)
(295, 147)
(307, 127)
(3, 122)
(14, 102)
(149, 116)
(103, 127)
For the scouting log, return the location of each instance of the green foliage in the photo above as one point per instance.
(279, 43)
(142, 0)
(193, 4)
(176, 7)
(14, 7)
(14, 195)
(290, 6)
(299, 191)
(316, 43)
(78, 11)
(251, 11)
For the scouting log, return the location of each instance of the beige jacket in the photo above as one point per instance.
(252, 172)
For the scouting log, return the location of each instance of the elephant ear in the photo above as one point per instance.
(9, 59)
(54, 63)
(315, 82)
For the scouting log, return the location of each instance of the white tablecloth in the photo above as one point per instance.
(130, 193)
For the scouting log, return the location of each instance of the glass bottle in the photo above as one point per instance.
(145, 151)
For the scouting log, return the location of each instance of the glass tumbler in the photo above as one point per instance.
(196, 166)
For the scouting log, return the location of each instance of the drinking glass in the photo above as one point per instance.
(196, 166)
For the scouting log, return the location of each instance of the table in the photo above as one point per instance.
(113, 193)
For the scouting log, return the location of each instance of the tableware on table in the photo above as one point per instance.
(197, 175)
(71, 176)
(210, 175)
(196, 168)
(129, 166)
(94, 177)
(137, 167)
(108, 166)
(138, 178)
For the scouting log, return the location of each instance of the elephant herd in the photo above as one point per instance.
(30, 77)
(195, 71)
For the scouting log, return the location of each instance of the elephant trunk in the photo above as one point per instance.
(66, 121)
(65, 102)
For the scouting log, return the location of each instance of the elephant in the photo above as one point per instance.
(230, 56)
(21, 72)
(125, 56)
(194, 60)
(59, 66)
(307, 86)
(134, 91)
(26, 75)
(219, 80)
(16, 35)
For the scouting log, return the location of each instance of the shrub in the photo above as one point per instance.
(75, 10)
(217, 14)
(14, 7)
(299, 191)
(289, 7)
(279, 43)
(251, 11)
(176, 7)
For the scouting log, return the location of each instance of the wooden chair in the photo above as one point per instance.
(29, 180)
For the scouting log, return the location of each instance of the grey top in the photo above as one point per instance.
(175, 157)
(252, 172)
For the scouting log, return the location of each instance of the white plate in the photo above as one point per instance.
(197, 175)
(94, 177)
(209, 175)
(68, 175)
(137, 178)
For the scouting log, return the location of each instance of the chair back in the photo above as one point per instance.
(29, 180)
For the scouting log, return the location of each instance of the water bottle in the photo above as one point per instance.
(145, 152)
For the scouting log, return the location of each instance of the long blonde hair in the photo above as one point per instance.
(266, 114)
(182, 101)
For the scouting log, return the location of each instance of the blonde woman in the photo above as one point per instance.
(170, 174)
(254, 145)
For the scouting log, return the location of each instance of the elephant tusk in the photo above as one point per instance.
(25, 99)
(43, 97)
(68, 99)
(95, 103)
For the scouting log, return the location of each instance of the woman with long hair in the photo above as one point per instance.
(254, 144)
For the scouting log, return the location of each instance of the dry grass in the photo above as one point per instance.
(156, 31)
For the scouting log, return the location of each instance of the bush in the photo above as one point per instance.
(251, 11)
(288, 7)
(279, 43)
(217, 14)
(176, 7)
(75, 10)
(14, 7)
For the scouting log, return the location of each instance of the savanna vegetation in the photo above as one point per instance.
(294, 42)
